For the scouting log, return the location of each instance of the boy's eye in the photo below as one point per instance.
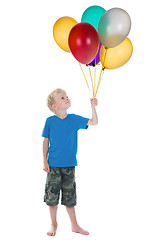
(63, 97)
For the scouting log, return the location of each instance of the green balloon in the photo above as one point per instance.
(92, 15)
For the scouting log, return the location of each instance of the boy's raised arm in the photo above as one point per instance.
(94, 119)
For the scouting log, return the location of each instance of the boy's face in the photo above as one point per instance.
(62, 102)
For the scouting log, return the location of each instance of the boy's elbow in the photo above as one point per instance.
(95, 122)
(46, 141)
(91, 122)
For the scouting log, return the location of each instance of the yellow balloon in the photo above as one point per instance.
(61, 30)
(117, 56)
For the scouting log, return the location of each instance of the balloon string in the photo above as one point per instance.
(85, 78)
(99, 81)
(105, 54)
(94, 79)
(91, 80)
(102, 71)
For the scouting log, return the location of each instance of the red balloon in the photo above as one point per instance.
(83, 42)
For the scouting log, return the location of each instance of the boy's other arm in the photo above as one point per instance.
(46, 167)
(94, 119)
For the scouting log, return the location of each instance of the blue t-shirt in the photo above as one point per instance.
(62, 134)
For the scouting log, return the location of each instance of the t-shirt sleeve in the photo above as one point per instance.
(81, 122)
(46, 129)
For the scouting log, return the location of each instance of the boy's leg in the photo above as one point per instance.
(75, 227)
(69, 197)
(53, 214)
(52, 193)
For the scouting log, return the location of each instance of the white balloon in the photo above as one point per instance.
(114, 27)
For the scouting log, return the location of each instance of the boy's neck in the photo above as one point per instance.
(61, 115)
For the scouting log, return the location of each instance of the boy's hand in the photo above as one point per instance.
(46, 167)
(94, 102)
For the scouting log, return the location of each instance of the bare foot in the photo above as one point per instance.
(52, 231)
(78, 229)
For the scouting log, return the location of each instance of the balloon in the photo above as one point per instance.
(96, 60)
(93, 15)
(83, 42)
(114, 27)
(116, 57)
(61, 31)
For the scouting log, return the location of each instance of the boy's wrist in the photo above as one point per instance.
(45, 160)
(93, 106)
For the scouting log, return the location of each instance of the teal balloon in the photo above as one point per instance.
(92, 15)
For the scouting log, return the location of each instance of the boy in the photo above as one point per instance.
(59, 156)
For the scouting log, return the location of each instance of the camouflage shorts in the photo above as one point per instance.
(60, 179)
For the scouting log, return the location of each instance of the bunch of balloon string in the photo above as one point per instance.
(100, 39)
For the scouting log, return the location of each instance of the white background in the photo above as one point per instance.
(117, 176)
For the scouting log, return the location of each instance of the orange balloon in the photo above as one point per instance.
(115, 57)
(61, 31)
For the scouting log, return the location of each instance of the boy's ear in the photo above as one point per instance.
(53, 106)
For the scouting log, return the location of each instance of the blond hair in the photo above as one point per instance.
(51, 99)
